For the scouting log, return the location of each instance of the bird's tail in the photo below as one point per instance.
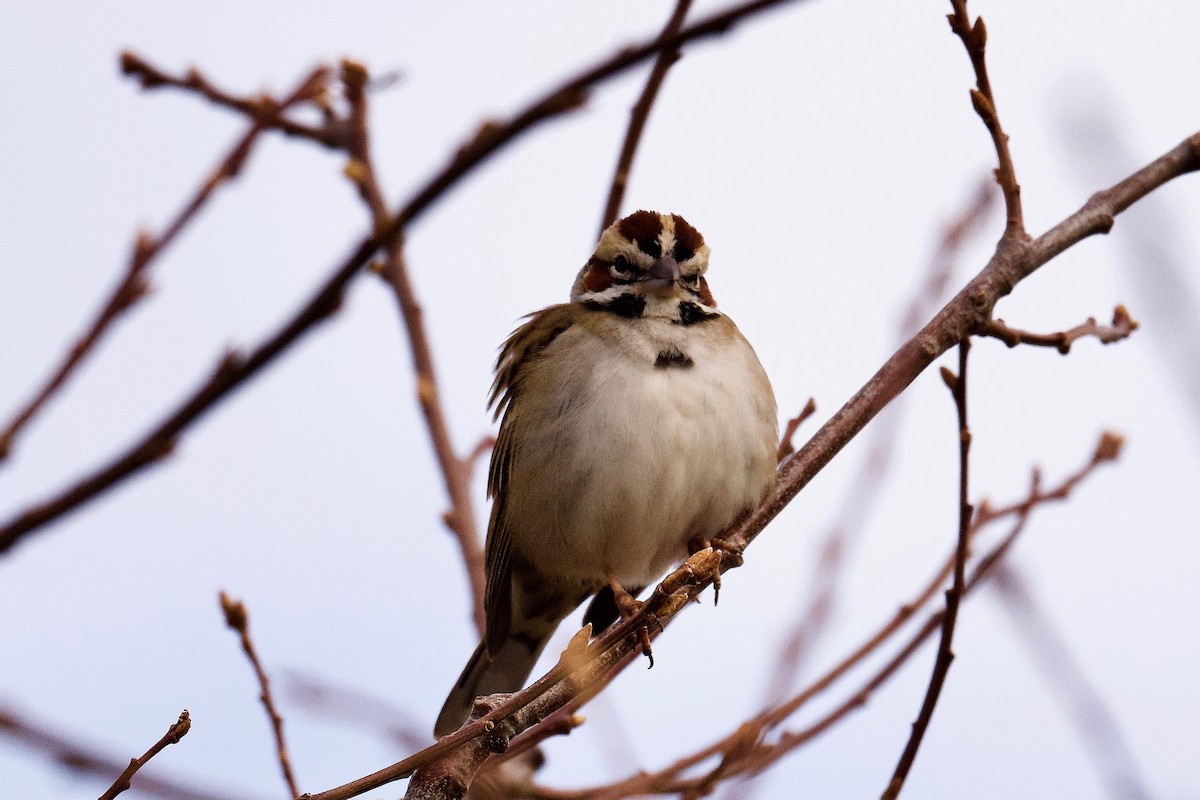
(486, 673)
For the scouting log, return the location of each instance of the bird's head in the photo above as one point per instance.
(647, 264)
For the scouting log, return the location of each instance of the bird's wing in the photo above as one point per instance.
(523, 346)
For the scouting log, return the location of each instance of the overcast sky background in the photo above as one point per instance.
(819, 148)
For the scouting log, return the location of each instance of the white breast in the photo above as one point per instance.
(623, 462)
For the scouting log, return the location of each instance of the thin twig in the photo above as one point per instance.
(962, 316)
(237, 620)
(261, 109)
(1122, 327)
(865, 487)
(134, 284)
(641, 112)
(945, 653)
(85, 759)
(738, 758)
(786, 446)
(172, 736)
(974, 39)
(234, 369)
(456, 470)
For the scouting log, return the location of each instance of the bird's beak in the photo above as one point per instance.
(662, 276)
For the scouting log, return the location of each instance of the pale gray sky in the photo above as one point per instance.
(818, 148)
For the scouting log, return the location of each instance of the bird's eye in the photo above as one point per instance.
(681, 253)
(621, 268)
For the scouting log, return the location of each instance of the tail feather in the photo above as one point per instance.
(486, 673)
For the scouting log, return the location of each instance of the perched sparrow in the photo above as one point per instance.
(637, 420)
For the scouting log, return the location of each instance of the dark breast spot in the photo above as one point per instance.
(673, 358)
(626, 305)
(690, 314)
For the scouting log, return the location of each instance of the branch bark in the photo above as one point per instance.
(964, 316)
(235, 369)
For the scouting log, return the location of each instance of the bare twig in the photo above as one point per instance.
(974, 39)
(172, 736)
(134, 285)
(237, 620)
(945, 653)
(786, 447)
(456, 470)
(962, 317)
(86, 759)
(965, 314)
(1122, 327)
(1094, 723)
(262, 109)
(234, 370)
(865, 487)
(738, 758)
(641, 112)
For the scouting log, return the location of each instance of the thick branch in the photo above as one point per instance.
(738, 758)
(864, 489)
(234, 369)
(959, 319)
(965, 315)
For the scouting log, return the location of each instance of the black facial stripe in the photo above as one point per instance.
(691, 313)
(651, 247)
(672, 358)
(628, 305)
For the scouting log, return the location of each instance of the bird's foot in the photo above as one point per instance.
(629, 607)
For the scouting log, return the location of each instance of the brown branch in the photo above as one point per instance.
(732, 748)
(786, 447)
(945, 653)
(554, 690)
(134, 285)
(172, 736)
(236, 619)
(965, 314)
(641, 112)
(262, 109)
(234, 369)
(974, 39)
(456, 470)
(864, 489)
(1122, 327)
(1107, 450)
(85, 759)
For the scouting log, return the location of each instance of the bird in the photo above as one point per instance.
(636, 422)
